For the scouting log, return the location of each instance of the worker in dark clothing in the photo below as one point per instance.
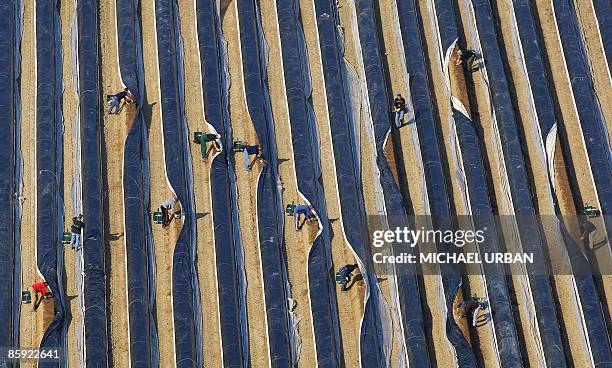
(463, 308)
(75, 229)
(118, 100)
(471, 306)
(213, 139)
(250, 151)
(39, 288)
(302, 209)
(468, 59)
(344, 274)
(166, 207)
(399, 107)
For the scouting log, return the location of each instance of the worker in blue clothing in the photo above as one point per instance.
(344, 274)
(399, 107)
(118, 100)
(247, 153)
(307, 211)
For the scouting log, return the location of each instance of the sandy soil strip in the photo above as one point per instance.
(29, 334)
(206, 266)
(114, 134)
(164, 238)
(296, 243)
(70, 103)
(350, 313)
(243, 130)
(576, 149)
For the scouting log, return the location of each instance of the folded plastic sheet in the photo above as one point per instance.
(49, 208)
(305, 141)
(603, 13)
(140, 260)
(281, 334)
(587, 106)
(10, 24)
(185, 293)
(94, 292)
(352, 209)
(598, 341)
(531, 239)
(381, 118)
(228, 246)
(477, 195)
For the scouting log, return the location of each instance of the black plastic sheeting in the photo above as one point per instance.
(589, 113)
(348, 179)
(599, 342)
(95, 317)
(508, 346)
(9, 213)
(185, 293)
(269, 211)
(140, 261)
(305, 141)
(411, 314)
(434, 176)
(603, 12)
(49, 208)
(530, 236)
(228, 247)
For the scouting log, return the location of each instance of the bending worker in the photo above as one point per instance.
(166, 207)
(298, 211)
(399, 107)
(203, 139)
(250, 151)
(118, 100)
(344, 275)
(468, 59)
(39, 288)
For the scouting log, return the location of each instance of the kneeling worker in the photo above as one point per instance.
(39, 288)
(203, 139)
(166, 207)
(344, 275)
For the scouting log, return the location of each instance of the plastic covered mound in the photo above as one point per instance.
(411, 314)
(94, 292)
(228, 247)
(138, 239)
(522, 204)
(49, 211)
(378, 98)
(346, 162)
(586, 104)
(593, 318)
(508, 348)
(185, 293)
(305, 141)
(9, 177)
(281, 332)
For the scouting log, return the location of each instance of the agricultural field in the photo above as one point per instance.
(183, 183)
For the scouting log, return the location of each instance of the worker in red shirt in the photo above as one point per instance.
(39, 287)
